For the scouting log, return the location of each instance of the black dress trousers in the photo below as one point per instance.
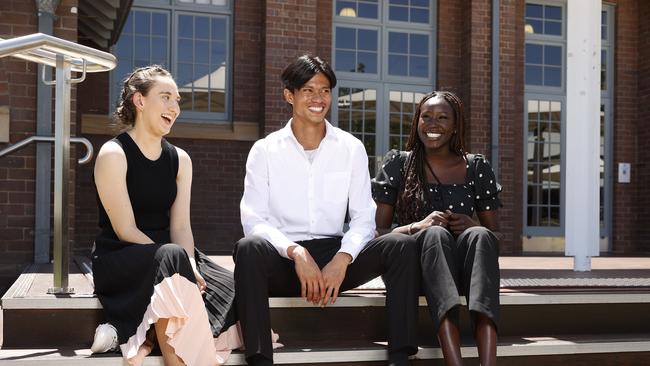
(261, 272)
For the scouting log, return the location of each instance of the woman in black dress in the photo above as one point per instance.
(434, 189)
(151, 290)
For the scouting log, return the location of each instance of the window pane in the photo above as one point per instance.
(552, 76)
(346, 38)
(218, 29)
(348, 6)
(397, 42)
(368, 11)
(159, 50)
(553, 28)
(534, 26)
(367, 62)
(397, 65)
(534, 11)
(201, 52)
(533, 53)
(202, 28)
(422, 3)
(398, 13)
(553, 12)
(185, 50)
(142, 48)
(533, 75)
(419, 66)
(399, 2)
(142, 22)
(185, 26)
(419, 44)
(159, 24)
(124, 48)
(419, 15)
(367, 40)
(553, 55)
(345, 61)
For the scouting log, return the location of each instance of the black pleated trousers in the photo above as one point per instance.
(261, 272)
(467, 265)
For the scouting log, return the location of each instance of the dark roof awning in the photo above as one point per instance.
(101, 21)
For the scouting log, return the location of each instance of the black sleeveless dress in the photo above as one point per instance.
(138, 284)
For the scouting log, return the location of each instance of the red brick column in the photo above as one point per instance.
(511, 156)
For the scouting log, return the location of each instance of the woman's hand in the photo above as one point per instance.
(200, 281)
(459, 222)
(436, 218)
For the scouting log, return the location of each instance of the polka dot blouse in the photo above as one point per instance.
(478, 193)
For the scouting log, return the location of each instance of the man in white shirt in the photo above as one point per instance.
(300, 183)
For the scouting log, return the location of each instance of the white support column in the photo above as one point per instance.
(582, 224)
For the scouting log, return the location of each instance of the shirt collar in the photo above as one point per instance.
(330, 132)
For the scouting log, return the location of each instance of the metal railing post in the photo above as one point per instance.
(61, 248)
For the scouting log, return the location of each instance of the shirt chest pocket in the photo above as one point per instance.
(336, 187)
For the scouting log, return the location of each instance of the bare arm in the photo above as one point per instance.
(180, 228)
(490, 220)
(110, 178)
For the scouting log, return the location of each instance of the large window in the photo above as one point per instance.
(384, 57)
(192, 38)
(545, 95)
(545, 98)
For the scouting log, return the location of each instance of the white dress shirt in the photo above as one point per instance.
(288, 199)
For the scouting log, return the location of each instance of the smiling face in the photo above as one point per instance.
(437, 123)
(158, 110)
(312, 101)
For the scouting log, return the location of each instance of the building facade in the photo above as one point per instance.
(226, 56)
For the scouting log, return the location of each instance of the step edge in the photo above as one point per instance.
(367, 355)
(91, 301)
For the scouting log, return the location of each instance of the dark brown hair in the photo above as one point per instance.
(140, 80)
(412, 202)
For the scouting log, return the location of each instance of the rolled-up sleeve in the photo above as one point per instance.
(254, 206)
(361, 207)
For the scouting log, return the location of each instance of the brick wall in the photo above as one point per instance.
(634, 123)
(291, 28)
(18, 90)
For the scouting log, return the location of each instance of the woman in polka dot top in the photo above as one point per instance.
(435, 191)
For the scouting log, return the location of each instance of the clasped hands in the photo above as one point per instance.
(454, 222)
(317, 286)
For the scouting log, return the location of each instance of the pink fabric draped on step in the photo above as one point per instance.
(188, 329)
(179, 300)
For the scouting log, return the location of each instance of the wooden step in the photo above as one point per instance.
(34, 319)
(628, 349)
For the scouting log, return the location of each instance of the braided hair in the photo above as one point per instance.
(412, 203)
(140, 80)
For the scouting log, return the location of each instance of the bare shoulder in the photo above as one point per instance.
(183, 156)
(110, 153)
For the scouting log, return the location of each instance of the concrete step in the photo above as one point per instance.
(623, 349)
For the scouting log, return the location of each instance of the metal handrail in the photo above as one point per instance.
(42, 48)
(66, 57)
(80, 140)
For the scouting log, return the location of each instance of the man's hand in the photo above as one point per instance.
(459, 222)
(333, 275)
(312, 287)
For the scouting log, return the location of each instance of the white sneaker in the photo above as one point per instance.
(105, 339)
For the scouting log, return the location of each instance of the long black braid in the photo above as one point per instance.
(412, 204)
